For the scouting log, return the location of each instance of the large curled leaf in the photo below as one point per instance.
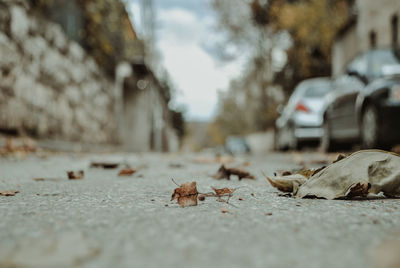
(363, 172)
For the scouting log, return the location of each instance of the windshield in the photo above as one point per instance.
(378, 59)
(317, 90)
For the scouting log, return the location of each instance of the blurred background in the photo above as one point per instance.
(234, 76)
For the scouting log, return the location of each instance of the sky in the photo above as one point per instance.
(184, 30)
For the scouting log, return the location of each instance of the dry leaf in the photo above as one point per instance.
(9, 193)
(225, 173)
(358, 189)
(289, 183)
(225, 210)
(223, 191)
(72, 175)
(105, 165)
(127, 172)
(363, 172)
(38, 179)
(186, 194)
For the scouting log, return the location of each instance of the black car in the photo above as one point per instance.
(364, 105)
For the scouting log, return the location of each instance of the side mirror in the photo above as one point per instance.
(279, 109)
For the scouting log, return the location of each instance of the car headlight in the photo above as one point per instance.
(395, 93)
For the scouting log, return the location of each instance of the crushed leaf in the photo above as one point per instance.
(105, 165)
(357, 175)
(225, 173)
(127, 172)
(223, 191)
(225, 210)
(9, 192)
(72, 175)
(186, 194)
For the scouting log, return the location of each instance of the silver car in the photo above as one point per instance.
(302, 118)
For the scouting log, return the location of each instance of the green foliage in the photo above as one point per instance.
(312, 26)
(256, 25)
(107, 33)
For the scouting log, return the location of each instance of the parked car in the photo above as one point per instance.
(364, 105)
(301, 119)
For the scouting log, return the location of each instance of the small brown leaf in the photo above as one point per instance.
(9, 193)
(223, 191)
(225, 210)
(268, 213)
(105, 165)
(72, 175)
(38, 179)
(240, 199)
(201, 197)
(127, 172)
(186, 194)
(225, 173)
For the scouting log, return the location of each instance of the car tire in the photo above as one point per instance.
(327, 144)
(369, 128)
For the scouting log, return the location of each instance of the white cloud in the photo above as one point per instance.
(180, 34)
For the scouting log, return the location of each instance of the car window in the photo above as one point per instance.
(359, 65)
(317, 90)
(377, 59)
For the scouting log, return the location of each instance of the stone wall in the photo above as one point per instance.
(49, 86)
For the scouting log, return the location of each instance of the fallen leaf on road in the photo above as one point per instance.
(223, 191)
(363, 172)
(127, 172)
(186, 194)
(105, 165)
(72, 175)
(225, 210)
(47, 179)
(290, 183)
(9, 193)
(225, 173)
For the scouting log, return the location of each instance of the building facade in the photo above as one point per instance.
(371, 24)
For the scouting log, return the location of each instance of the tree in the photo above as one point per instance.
(257, 27)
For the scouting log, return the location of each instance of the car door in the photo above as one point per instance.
(343, 117)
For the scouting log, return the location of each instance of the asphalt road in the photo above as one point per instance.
(104, 220)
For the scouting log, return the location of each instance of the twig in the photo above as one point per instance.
(175, 182)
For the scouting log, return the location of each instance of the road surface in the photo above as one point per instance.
(105, 220)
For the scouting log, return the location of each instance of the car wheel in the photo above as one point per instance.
(369, 128)
(327, 144)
